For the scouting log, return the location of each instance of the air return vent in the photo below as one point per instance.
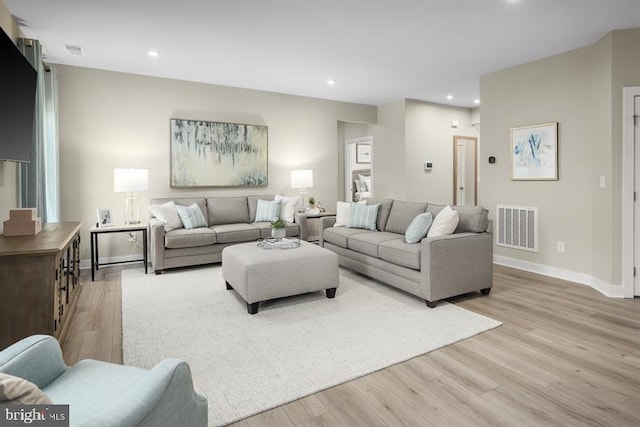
(517, 227)
(73, 50)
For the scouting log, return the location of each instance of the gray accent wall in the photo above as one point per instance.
(582, 91)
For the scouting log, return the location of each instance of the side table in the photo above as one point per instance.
(127, 228)
(310, 225)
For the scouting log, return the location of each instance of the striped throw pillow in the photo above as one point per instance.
(363, 216)
(267, 211)
(191, 216)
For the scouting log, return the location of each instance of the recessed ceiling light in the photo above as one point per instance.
(476, 101)
(331, 82)
(153, 53)
(449, 97)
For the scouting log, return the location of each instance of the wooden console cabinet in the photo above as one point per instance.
(39, 280)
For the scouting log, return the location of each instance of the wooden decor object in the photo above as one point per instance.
(22, 222)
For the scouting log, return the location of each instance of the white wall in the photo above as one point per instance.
(582, 91)
(429, 137)
(110, 120)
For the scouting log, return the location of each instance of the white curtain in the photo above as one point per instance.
(39, 181)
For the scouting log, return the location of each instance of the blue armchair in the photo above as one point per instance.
(106, 394)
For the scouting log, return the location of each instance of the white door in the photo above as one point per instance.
(636, 208)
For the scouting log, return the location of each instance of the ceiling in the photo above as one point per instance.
(377, 51)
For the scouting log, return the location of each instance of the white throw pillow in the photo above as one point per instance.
(343, 213)
(168, 214)
(288, 207)
(15, 390)
(444, 223)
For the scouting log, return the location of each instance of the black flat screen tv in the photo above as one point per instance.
(17, 102)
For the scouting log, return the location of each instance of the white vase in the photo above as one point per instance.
(278, 233)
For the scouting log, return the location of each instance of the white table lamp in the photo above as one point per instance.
(302, 179)
(130, 181)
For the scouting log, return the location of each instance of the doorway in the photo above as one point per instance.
(465, 173)
(358, 171)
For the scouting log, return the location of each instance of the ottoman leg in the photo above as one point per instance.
(228, 286)
(331, 292)
(253, 307)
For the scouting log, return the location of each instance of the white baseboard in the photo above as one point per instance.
(85, 264)
(607, 289)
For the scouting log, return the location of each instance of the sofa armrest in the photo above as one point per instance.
(156, 243)
(326, 222)
(37, 359)
(301, 220)
(456, 264)
(164, 396)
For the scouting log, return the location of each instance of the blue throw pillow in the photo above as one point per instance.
(418, 228)
(191, 216)
(363, 216)
(267, 211)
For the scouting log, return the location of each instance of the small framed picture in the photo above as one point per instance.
(363, 153)
(104, 217)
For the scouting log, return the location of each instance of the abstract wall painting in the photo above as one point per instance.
(534, 152)
(215, 154)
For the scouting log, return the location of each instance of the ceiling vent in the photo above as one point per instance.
(73, 50)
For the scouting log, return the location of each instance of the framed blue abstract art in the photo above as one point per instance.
(215, 154)
(534, 152)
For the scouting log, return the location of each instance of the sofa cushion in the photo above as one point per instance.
(252, 202)
(472, 219)
(383, 211)
(187, 238)
(191, 216)
(363, 216)
(339, 235)
(227, 210)
(368, 243)
(168, 214)
(401, 215)
(291, 229)
(401, 253)
(267, 210)
(444, 223)
(418, 228)
(343, 213)
(184, 201)
(240, 232)
(288, 208)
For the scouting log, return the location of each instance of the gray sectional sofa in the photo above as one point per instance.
(433, 269)
(230, 220)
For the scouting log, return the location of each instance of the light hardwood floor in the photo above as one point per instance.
(565, 356)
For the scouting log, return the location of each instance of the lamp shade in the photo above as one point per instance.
(130, 180)
(302, 178)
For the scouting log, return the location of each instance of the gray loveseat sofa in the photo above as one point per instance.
(432, 269)
(230, 219)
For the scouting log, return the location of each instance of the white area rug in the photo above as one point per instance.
(292, 348)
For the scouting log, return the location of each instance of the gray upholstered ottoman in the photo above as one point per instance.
(259, 274)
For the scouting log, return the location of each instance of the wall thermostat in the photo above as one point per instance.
(428, 166)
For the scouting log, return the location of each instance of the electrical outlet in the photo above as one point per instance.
(561, 247)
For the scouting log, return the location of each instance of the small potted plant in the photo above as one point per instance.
(312, 209)
(277, 229)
